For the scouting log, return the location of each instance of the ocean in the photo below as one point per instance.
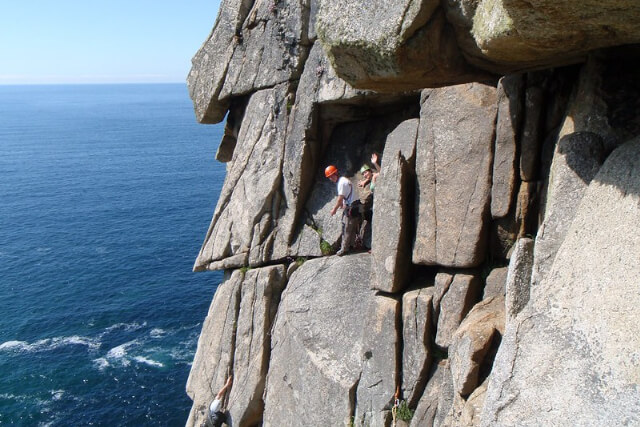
(106, 194)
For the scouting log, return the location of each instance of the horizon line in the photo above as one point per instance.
(88, 83)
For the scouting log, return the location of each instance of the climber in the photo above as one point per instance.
(367, 186)
(344, 201)
(216, 416)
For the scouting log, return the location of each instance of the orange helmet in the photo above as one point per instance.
(330, 170)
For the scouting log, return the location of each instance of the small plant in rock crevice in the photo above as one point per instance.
(325, 247)
(404, 413)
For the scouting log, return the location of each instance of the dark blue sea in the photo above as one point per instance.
(106, 194)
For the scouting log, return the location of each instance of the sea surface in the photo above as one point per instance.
(106, 193)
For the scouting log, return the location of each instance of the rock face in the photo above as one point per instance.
(457, 124)
(501, 284)
(570, 334)
(327, 366)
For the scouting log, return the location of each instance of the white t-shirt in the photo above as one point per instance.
(345, 188)
(215, 406)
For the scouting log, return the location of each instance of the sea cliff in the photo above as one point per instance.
(502, 283)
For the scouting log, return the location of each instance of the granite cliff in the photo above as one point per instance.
(502, 283)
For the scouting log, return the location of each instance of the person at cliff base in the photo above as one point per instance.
(344, 201)
(216, 416)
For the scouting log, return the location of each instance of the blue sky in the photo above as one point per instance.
(101, 41)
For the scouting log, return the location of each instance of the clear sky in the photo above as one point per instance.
(101, 41)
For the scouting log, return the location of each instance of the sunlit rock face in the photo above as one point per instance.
(497, 281)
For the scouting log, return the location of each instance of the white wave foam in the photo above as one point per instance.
(157, 333)
(150, 362)
(49, 344)
(101, 363)
(57, 394)
(128, 327)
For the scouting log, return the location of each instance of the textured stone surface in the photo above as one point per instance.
(510, 114)
(437, 399)
(472, 341)
(391, 242)
(214, 356)
(245, 209)
(518, 283)
(253, 46)
(417, 332)
(331, 334)
(546, 32)
(579, 329)
(472, 410)
(462, 294)
(260, 296)
(495, 283)
(456, 128)
(531, 141)
(576, 161)
(379, 377)
(392, 45)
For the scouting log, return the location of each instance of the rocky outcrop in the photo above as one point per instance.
(457, 123)
(500, 284)
(572, 334)
(415, 44)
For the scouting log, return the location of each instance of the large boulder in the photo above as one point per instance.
(510, 115)
(417, 334)
(470, 346)
(576, 340)
(391, 242)
(391, 46)
(453, 167)
(333, 341)
(407, 44)
(463, 292)
(236, 338)
(544, 32)
(245, 210)
(253, 46)
(214, 355)
(260, 295)
(437, 399)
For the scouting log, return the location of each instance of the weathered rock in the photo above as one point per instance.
(209, 65)
(495, 283)
(442, 282)
(472, 341)
(260, 296)
(319, 353)
(417, 332)
(301, 148)
(307, 243)
(391, 242)
(456, 127)
(437, 399)
(579, 329)
(253, 46)
(519, 277)
(472, 410)
(216, 347)
(531, 139)
(349, 147)
(377, 385)
(245, 209)
(576, 161)
(392, 46)
(547, 32)
(510, 113)
(462, 294)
